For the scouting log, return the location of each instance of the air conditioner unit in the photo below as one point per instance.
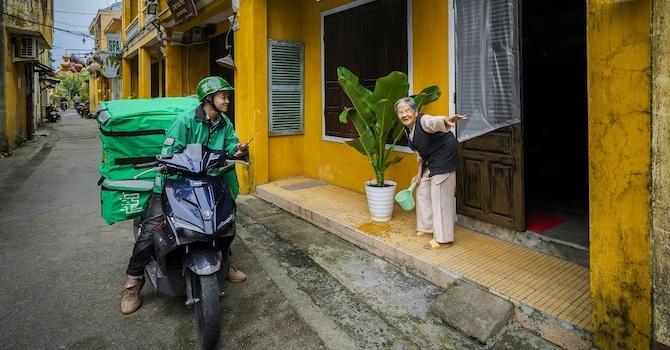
(27, 47)
(196, 34)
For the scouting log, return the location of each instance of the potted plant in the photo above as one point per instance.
(374, 118)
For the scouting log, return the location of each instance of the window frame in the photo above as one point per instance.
(340, 9)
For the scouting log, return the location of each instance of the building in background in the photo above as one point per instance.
(105, 64)
(26, 35)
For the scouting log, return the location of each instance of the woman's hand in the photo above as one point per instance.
(449, 122)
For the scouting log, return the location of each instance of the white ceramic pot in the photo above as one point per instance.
(380, 200)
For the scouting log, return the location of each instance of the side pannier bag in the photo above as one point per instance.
(123, 200)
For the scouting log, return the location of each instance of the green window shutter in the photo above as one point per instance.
(286, 82)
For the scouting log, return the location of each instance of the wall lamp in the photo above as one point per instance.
(151, 10)
(227, 61)
(151, 7)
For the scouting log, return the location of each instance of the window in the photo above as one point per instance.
(286, 83)
(371, 41)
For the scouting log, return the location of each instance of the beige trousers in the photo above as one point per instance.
(435, 205)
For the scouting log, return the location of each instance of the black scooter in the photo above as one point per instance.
(83, 110)
(51, 113)
(192, 248)
(63, 105)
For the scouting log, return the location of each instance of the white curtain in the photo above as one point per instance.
(487, 65)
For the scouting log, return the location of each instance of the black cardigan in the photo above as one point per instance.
(438, 150)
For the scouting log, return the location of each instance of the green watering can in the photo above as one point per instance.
(405, 198)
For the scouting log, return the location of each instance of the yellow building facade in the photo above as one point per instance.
(26, 35)
(626, 94)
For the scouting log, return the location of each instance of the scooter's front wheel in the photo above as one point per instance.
(207, 308)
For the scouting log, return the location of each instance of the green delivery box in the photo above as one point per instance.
(132, 131)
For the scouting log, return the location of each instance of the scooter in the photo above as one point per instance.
(63, 105)
(192, 247)
(83, 111)
(51, 113)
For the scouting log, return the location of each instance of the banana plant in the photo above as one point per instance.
(374, 117)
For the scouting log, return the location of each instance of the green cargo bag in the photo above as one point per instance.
(132, 131)
(123, 200)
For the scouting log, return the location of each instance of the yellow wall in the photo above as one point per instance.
(618, 53)
(251, 97)
(337, 162)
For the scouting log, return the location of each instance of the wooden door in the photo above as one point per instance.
(490, 179)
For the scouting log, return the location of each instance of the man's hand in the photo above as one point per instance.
(242, 150)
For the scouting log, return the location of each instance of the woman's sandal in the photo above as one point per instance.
(433, 244)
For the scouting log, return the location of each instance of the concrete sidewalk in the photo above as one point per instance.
(551, 297)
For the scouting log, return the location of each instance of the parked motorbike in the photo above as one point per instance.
(192, 248)
(83, 111)
(63, 105)
(51, 113)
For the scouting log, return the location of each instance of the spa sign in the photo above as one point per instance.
(182, 10)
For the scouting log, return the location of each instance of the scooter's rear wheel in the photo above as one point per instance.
(207, 308)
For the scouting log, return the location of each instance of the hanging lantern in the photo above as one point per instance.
(95, 66)
(64, 67)
(66, 57)
(78, 67)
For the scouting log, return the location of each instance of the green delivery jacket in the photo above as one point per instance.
(192, 126)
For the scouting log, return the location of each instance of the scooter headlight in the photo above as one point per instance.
(187, 230)
(194, 235)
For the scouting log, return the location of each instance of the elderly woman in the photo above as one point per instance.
(437, 157)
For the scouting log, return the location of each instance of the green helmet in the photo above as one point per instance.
(211, 85)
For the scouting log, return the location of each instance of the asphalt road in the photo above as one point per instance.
(63, 269)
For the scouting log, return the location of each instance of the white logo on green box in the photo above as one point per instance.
(130, 203)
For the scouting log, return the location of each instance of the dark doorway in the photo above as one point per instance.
(217, 50)
(555, 116)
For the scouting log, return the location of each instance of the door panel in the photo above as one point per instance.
(490, 180)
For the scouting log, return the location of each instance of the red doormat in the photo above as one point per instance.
(540, 223)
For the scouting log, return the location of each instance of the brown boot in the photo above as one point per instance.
(235, 275)
(131, 298)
